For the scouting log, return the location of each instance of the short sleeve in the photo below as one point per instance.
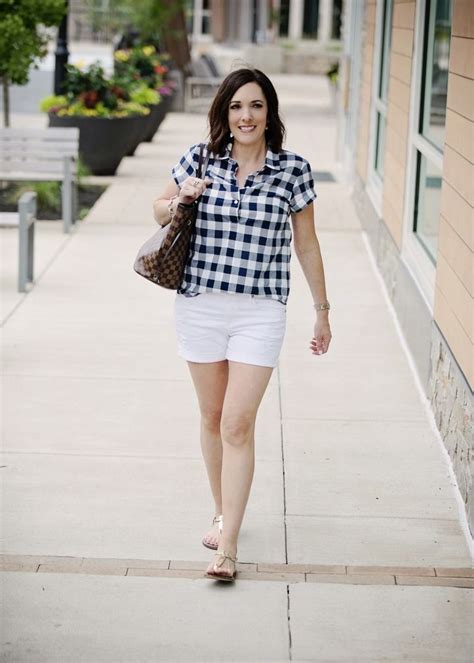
(303, 189)
(187, 165)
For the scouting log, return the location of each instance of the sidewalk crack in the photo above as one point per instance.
(290, 654)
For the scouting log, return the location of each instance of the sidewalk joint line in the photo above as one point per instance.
(282, 446)
(290, 654)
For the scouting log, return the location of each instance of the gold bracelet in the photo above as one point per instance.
(322, 307)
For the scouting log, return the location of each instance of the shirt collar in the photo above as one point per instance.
(272, 159)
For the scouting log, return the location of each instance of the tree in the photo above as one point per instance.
(23, 40)
(158, 22)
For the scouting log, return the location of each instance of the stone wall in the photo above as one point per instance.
(452, 403)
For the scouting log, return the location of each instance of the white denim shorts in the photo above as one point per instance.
(214, 326)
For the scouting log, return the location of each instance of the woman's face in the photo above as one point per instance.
(248, 114)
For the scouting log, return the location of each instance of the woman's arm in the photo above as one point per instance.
(165, 204)
(308, 252)
(161, 211)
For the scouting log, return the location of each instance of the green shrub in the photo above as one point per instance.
(48, 194)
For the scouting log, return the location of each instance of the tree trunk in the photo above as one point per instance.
(6, 101)
(176, 39)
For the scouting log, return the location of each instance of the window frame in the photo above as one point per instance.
(413, 253)
(379, 107)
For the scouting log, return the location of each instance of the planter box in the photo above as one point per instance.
(156, 117)
(103, 142)
(139, 126)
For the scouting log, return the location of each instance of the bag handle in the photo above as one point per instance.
(202, 166)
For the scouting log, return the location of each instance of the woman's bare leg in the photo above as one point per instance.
(210, 383)
(245, 389)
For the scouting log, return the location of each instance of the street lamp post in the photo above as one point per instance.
(61, 53)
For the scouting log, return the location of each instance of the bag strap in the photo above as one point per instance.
(202, 167)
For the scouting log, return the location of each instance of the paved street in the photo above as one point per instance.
(354, 546)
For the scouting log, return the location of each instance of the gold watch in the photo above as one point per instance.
(322, 307)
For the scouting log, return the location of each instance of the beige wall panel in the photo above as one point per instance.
(458, 254)
(463, 18)
(461, 95)
(459, 173)
(404, 15)
(361, 164)
(400, 68)
(369, 23)
(392, 221)
(402, 41)
(394, 196)
(460, 135)
(364, 97)
(458, 213)
(399, 95)
(368, 52)
(367, 76)
(455, 293)
(455, 335)
(397, 121)
(396, 147)
(396, 171)
(461, 56)
(370, 14)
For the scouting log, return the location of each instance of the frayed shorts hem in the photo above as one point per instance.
(254, 361)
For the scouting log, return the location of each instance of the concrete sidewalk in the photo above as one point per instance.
(354, 546)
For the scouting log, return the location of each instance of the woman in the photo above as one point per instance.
(231, 306)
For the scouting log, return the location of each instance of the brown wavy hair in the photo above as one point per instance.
(218, 112)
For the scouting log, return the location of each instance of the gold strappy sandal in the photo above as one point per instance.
(223, 576)
(220, 521)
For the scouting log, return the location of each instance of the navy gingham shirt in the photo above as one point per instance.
(242, 237)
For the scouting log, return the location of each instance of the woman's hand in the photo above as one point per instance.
(192, 188)
(322, 336)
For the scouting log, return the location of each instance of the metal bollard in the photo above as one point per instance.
(27, 214)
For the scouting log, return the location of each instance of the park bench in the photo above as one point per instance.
(202, 84)
(43, 155)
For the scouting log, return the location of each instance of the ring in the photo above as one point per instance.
(196, 182)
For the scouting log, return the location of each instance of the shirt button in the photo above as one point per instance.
(234, 202)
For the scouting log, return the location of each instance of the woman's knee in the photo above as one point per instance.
(237, 429)
(211, 419)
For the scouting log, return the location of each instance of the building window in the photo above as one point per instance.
(435, 68)
(381, 98)
(284, 17)
(311, 19)
(429, 140)
(336, 19)
(380, 143)
(206, 17)
(427, 201)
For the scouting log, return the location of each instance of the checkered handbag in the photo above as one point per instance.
(162, 258)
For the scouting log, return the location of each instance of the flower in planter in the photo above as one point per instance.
(142, 94)
(142, 63)
(122, 55)
(90, 93)
(90, 98)
(53, 103)
(165, 91)
(161, 69)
